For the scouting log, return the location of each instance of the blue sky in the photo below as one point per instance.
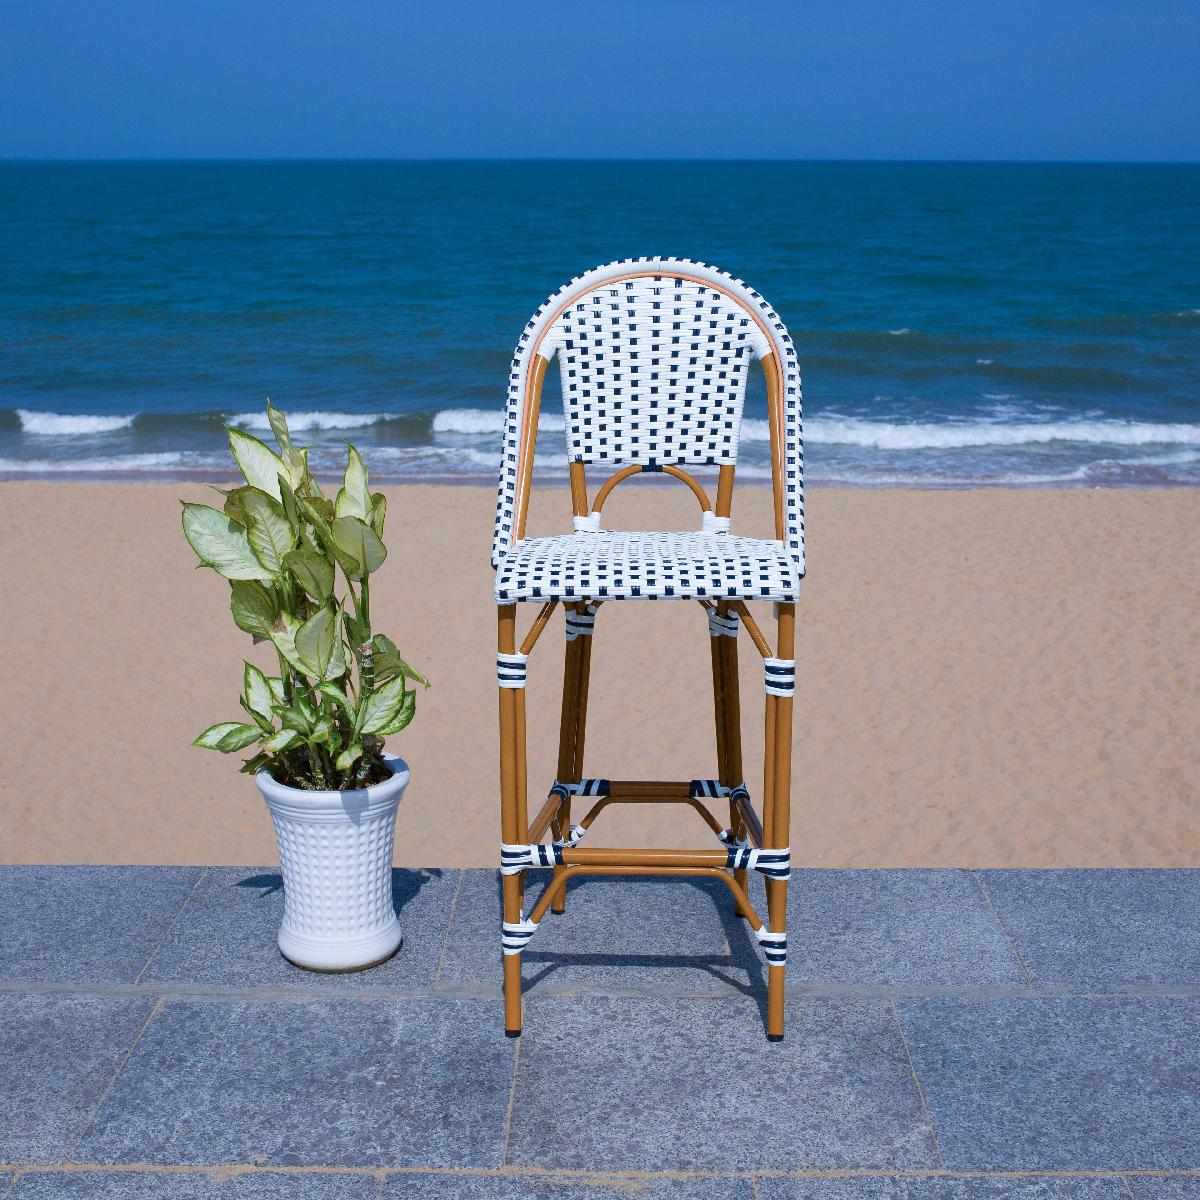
(940, 79)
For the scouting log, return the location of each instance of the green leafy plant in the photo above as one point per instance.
(341, 689)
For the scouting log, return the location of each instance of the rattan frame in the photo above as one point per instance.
(771, 831)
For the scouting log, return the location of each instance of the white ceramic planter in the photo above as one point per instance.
(335, 849)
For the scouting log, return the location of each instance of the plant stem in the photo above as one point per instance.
(370, 746)
(318, 768)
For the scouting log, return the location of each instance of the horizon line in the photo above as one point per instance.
(39, 160)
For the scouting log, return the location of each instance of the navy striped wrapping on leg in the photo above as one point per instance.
(516, 856)
(511, 670)
(515, 935)
(780, 676)
(774, 946)
(773, 863)
(574, 837)
(585, 787)
(713, 789)
(722, 626)
(581, 624)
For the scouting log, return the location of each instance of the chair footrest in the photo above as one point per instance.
(649, 790)
(606, 856)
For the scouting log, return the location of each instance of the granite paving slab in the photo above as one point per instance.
(1147, 1187)
(58, 1053)
(639, 934)
(1059, 1083)
(662, 1085)
(1103, 927)
(199, 1185)
(1022, 1187)
(226, 934)
(905, 928)
(326, 1081)
(95, 924)
(533, 1187)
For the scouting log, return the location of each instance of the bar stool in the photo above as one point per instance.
(654, 355)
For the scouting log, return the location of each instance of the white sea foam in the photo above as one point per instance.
(487, 421)
(469, 420)
(462, 458)
(899, 332)
(985, 362)
(1176, 459)
(299, 422)
(882, 435)
(169, 460)
(68, 424)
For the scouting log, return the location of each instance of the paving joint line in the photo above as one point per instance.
(1008, 937)
(449, 926)
(232, 1170)
(155, 1009)
(912, 1066)
(288, 993)
(171, 925)
(512, 1098)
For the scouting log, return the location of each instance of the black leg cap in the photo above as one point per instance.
(774, 1037)
(512, 1033)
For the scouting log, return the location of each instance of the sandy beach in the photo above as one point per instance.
(987, 678)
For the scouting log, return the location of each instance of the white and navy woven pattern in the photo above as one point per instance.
(654, 418)
(638, 565)
(654, 370)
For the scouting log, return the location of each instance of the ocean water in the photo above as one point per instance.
(957, 325)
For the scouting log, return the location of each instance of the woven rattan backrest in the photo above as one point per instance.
(654, 370)
(654, 355)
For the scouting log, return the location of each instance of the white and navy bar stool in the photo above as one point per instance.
(654, 355)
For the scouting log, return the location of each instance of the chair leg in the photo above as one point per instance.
(572, 726)
(728, 713)
(513, 821)
(777, 813)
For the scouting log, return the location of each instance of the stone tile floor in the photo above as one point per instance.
(952, 1035)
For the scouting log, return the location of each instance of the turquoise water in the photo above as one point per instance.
(956, 324)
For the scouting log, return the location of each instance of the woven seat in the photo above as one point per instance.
(621, 565)
(653, 356)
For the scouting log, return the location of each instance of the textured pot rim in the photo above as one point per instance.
(305, 798)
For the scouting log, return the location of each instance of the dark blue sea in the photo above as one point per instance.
(957, 325)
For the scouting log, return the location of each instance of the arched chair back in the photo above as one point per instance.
(654, 355)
